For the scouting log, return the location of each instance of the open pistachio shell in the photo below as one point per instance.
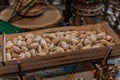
(8, 56)
(27, 55)
(33, 52)
(17, 49)
(34, 45)
(9, 44)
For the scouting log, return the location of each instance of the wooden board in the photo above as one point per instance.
(50, 18)
(61, 59)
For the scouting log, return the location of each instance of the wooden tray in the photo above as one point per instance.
(61, 59)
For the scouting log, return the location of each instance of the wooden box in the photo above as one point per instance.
(61, 59)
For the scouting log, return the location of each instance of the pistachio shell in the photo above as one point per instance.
(88, 33)
(87, 47)
(104, 42)
(31, 36)
(66, 39)
(93, 38)
(51, 53)
(33, 52)
(68, 50)
(101, 35)
(16, 49)
(73, 47)
(39, 49)
(64, 45)
(50, 36)
(42, 54)
(112, 40)
(43, 42)
(110, 44)
(82, 36)
(14, 58)
(97, 45)
(87, 41)
(15, 41)
(24, 43)
(68, 32)
(19, 43)
(75, 34)
(47, 40)
(93, 32)
(73, 37)
(15, 55)
(24, 49)
(51, 46)
(58, 49)
(55, 40)
(8, 56)
(79, 45)
(37, 38)
(20, 38)
(82, 41)
(27, 55)
(74, 41)
(60, 35)
(67, 35)
(46, 49)
(9, 44)
(29, 41)
(34, 45)
(22, 55)
(108, 37)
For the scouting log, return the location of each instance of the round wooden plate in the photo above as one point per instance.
(52, 17)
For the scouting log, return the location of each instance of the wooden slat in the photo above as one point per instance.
(49, 63)
(0, 56)
(1, 50)
(40, 65)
